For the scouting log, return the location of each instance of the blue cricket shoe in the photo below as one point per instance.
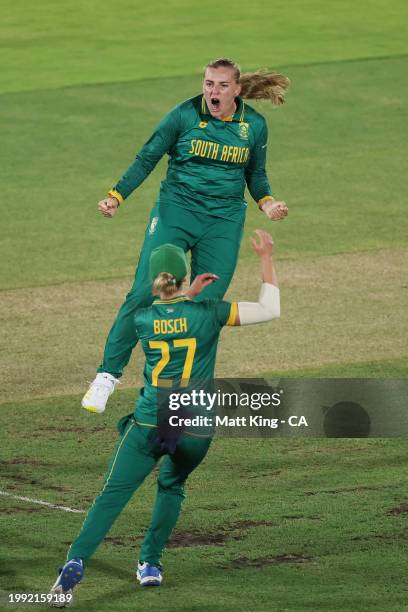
(149, 575)
(69, 576)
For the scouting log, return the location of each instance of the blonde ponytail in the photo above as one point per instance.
(258, 85)
(264, 85)
(165, 284)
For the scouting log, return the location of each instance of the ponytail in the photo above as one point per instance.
(264, 85)
(166, 284)
(258, 85)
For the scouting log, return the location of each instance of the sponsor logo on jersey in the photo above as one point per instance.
(203, 124)
(153, 225)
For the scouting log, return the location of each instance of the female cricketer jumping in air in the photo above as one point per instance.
(216, 145)
(179, 337)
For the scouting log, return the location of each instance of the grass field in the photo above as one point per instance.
(269, 524)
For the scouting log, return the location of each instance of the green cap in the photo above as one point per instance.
(168, 258)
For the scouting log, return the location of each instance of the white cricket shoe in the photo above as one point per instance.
(98, 393)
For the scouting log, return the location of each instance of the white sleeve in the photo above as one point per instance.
(266, 309)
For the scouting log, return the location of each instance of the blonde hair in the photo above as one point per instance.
(259, 85)
(166, 284)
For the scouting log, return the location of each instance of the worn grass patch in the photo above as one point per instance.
(344, 308)
(285, 525)
(321, 523)
(348, 308)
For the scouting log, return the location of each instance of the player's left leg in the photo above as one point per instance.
(134, 458)
(217, 252)
(174, 471)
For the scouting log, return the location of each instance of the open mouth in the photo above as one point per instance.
(215, 104)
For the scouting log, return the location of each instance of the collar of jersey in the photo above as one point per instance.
(239, 114)
(180, 298)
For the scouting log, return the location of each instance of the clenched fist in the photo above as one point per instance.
(108, 207)
(275, 210)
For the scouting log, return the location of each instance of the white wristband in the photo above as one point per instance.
(266, 309)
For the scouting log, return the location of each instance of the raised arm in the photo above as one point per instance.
(268, 305)
(246, 313)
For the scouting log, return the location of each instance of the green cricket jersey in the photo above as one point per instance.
(179, 338)
(210, 160)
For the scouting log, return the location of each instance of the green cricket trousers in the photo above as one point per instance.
(214, 244)
(135, 456)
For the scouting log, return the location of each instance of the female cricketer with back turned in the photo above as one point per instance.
(216, 145)
(179, 337)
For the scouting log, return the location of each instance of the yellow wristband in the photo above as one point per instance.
(115, 194)
(265, 199)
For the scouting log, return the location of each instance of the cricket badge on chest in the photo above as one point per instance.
(243, 130)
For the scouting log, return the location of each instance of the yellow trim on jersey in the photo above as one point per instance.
(111, 470)
(144, 424)
(242, 112)
(116, 456)
(115, 194)
(233, 314)
(196, 435)
(264, 199)
(230, 118)
(184, 433)
(181, 298)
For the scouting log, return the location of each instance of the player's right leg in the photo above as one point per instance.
(164, 226)
(134, 458)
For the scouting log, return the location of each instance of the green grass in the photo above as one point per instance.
(335, 155)
(392, 368)
(83, 85)
(55, 44)
(340, 309)
(328, 502)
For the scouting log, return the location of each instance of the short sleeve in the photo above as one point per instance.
(226, 312)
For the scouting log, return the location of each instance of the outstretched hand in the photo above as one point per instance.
(265, 245)
(275, 210)
(200, 282)
(108, 207)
